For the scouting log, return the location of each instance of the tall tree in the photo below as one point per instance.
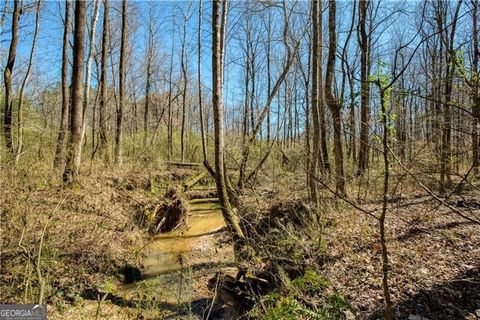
(74, 153)
(65, 91)
(88, 74)
(148, 83)
(229, 215)
(315, 103)
(333, 104)
(363, 40)
(8, 75)
(448, 39)
(347, 73)
(123, 49)
(103, 141)
(20, 125)
(384, 93)
(269, 67)
(199, 70)
(183, 63)
(475, 84)
(170, 101)
(324, 161)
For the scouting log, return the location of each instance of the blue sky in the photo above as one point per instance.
(48, 56)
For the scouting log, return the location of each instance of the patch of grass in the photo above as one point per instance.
(281, 307)
(310, 283)
(284, 308)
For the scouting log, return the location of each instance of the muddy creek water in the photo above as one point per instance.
(166, 252)
(179, 264)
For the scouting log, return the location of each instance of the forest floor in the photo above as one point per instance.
(434, 253)
(89, 239)
(434, 256)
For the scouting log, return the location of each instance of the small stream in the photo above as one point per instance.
(167, 252)
(179, 264)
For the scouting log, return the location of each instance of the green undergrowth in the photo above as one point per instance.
(306, 298)
(286, 239)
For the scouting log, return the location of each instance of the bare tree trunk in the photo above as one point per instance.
(252, 90)
(315, 102)
(306, 81)
(365, 88)
(229, 215)
(8, 75)
(103, 142)
(353, 126)
(445, 167)
(94, 114)
(20, 125)
(147, 87)
(476, 89)
(246, 111)
(65, 90)
(324, 158)
(269, 76)
(200, 98)
(170, 111)
(184, 91)
(74, 153)
(123, 49)
(347, 73)
(88, 73)
(385, 263)
(334, 106)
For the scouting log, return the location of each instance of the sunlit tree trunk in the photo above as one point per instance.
(352, 120)
(65, 91)
(323, 157)
(170, 107)
(445, 166)
(386, 175)
(148, 85)
(88, 73)
(476, 88)
(123, 49)
(103, 126)
(229, 215)
(315, 103)
(200, 98)
(334, 106)
(269, 75)
(74, 153)
(184, 91)
(8, 75)
(20, 124)
(364, 88)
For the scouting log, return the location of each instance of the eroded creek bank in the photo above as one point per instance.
(179, 264)
(174, 276)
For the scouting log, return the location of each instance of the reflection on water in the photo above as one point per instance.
(171, 258)
(165, 253)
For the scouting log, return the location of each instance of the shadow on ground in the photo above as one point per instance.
(457, 299)
(417, 231)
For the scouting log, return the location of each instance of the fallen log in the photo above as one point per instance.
(204, 200)
(200, 194)
(184, 164)
(187, 185)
